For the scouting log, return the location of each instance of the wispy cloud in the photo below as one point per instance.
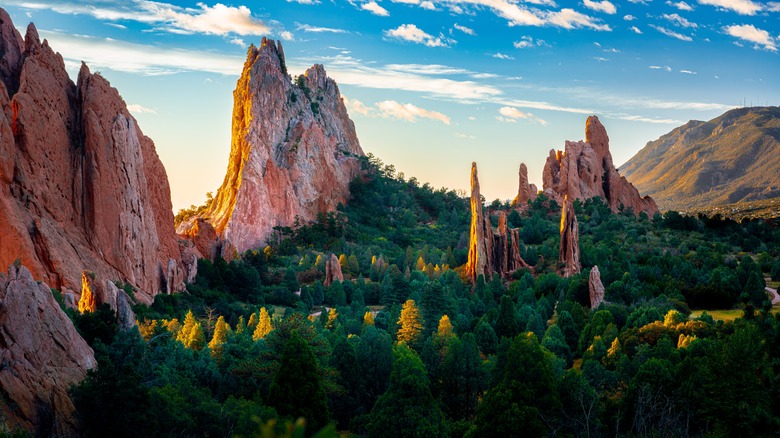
(601, 6)
(680, 5)
(318, 29)
(140, 109)
(237, 41)
(464, 29)
(677, 20)
(752, 34)
(500, 55)
(773, 6)
(659, 67)
(629, 17)
(391, 109)
(571, 19)
(512, 114)
(671, 33)
(742, 7)
(412, 33)
(527, 42)
(375, 9)
(636, 30)
(688, 72)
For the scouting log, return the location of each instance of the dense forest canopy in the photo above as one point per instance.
(406, 347)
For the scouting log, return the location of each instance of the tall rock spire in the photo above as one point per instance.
(525, 191)
(478, 260)
(569, 251)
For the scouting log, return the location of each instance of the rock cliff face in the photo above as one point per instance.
(569, 251)
(490, 252)
(81, 187)
(294, 150)
(595, 288)
(525, 191)
(41, 356)
(585, 170)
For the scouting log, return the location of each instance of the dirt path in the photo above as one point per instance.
(775, 296)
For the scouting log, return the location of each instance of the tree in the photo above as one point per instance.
(191, 333)
(506, 323)
(221, 330)
(463, 378)
(368, 319)
(296, 389)
(444, 330)
(407, 408)
(410, 322)
(264, 325)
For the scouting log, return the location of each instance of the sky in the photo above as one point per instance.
(431, 85)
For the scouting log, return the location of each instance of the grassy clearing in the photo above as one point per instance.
(722, 315)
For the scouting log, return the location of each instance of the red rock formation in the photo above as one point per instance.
(525, 191)
(41, 357)
(490, 252)
(596, 288)
(333, 270)
(569, 252)
(81, 187)
(585, 170)
(294, 150)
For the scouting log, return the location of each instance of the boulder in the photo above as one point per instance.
(596, 288)
(42, 356)
(333, 270)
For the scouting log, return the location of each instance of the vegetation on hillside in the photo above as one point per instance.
(405, 347)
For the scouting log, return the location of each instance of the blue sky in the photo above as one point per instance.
(431, 85)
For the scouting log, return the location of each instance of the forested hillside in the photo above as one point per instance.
(405, 346)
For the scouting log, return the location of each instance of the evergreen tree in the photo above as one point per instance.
(264, 325)
(296, 389)
(410, 322)
(253, 320)
(408, 408)
(506, 323)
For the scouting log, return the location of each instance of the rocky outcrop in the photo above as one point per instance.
(81, 187)
(569, 250)
(490, 252)
(333, 271)
(41, 357)
(294, 150)
(525, 192)
(596, 288)
(585, 170)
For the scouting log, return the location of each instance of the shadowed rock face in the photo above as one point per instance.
(81, 187)
(569, 251)
(490, 252)
(585, 170)
(41, 356)
(294, 150)
(595, 288)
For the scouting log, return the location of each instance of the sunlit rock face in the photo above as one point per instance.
(525, 191)
(569, 250)
(81, 187)
(490, 252)
(585, 170)
(333, 271)
(41, 357)
(294, 150)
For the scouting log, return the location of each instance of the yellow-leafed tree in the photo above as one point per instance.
(410, 322)
(445, 327)
(252, 324)
(368, 319)
(221, 330)
(191, 333)
(332, 317)
(263, 325)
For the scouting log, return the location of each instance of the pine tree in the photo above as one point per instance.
(264, 325)
(221, 330)
(445, 328)
(410, 322)
(241, 325)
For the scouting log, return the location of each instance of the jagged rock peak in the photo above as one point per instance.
(293, 153)
(478, 254)
(525, 191)
(569, 250)
(585, 170)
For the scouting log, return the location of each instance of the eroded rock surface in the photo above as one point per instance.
(525, 191)
(569, 250)
(596, 288)
(333, 270)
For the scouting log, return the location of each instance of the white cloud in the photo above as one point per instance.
(375, 9)
(512, 114)
(629, 17)
(237, 41)
(658, 67)
(464, 29)
(140, 109)
(773, 6)
(604, 6)
(428, 69)
(571, 19)
(680, 5)
(287, 36)
(143, 59)
(752, 34)
(679, 21)
(636, 30)
(408, 112)
(671, 33)
(412, 33)
(500, 55)
(688, 72)
(527, 41)
(304, 2)
(742, 7)
(355, 106)
(465, 136)
(600, 59)
(318, 29)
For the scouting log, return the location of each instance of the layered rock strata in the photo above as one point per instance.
(490, 252)
(81, 187)
(569, 250)
(41, 357)
(294, 150)
(585, 170)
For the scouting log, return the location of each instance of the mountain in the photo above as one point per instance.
(293, 154)
(731, 158)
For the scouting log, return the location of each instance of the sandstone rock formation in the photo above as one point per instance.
(81, 187)
(41, 356)
(333, 270)
(585, 170)
(596, 288)
(294, 150)
(490, 252)
(525, 191)
(569, 251)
